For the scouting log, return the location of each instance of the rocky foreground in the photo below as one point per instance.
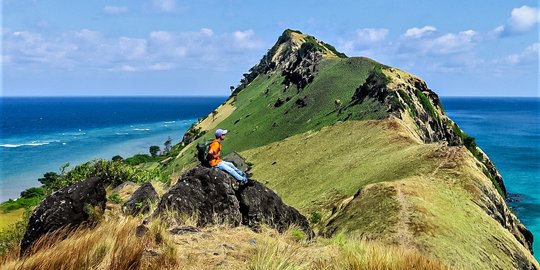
(206, 194)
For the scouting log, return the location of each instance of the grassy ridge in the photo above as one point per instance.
(375, 180)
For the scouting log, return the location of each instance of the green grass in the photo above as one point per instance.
(319, 172)
(315, 169)
(256, 121)
(428, 106)
(10, 217)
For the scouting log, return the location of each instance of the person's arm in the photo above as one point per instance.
(214, 151)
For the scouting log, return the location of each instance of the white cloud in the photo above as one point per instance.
(449, 43)
(159, 50)
(113, 10)
(521, 20)
(371, 35)
(364, 39)
(419, 32)
(529, 56)
(246, 39)
(165, 5)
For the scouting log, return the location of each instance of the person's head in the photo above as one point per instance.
(220, 134)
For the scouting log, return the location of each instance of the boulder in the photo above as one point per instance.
(259, 205)
(204, 193)
(140, 200)
(208, 194)
(68, 207)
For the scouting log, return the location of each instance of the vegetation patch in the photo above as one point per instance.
(408, 100)
(426, 103)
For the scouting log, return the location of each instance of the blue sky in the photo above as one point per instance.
(173, 47)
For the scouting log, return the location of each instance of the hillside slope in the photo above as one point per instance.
(368, 151)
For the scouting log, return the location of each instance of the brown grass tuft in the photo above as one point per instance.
(110, 245)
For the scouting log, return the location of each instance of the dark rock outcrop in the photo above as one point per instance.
(68, 207)
(204, 193)
(140, 200)
(259, 204)
(208, 194)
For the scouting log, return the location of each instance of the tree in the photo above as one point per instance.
(231, 88)
(49, 178)
(154, 150)
(117, 158)
(167, 145)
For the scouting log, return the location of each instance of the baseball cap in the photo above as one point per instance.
(220, 132)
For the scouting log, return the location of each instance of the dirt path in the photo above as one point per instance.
(404, 234)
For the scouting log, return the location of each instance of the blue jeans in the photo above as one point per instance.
(228, 167)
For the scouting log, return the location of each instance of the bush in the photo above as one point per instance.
(117, 158)
(33, 192)
(138, 159)
(154, 150)
(115, 198)
(315, 218)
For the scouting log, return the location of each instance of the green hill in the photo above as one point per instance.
(369, 150)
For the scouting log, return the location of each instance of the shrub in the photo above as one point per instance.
(117, 158)
(33, 192)
(115, 198)
(424, 100)
(154, 150)
(315, 218)
(138, 159)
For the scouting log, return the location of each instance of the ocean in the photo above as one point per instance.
(508, 130)
(40, 134)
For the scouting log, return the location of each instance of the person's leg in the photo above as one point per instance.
(230, 164)
(226, 168)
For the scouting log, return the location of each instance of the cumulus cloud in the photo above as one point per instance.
(521, 20)
(528, 56)
(113, 10)
(158, 51)
(246, 39)
(425, 41)
(419, 32)
(363, 39)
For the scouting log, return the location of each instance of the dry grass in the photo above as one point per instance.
(111, 245)
(285, 252)
(114, 245)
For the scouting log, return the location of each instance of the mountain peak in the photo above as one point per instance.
(296, 55)
(296, 42)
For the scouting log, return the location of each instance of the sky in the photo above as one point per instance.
(200, 48)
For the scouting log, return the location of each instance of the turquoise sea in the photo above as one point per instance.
(40, 134)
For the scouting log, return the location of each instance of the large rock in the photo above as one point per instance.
(140, 200)
(259, 205)
(204, 193)
(67, 207)
(207, 193)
